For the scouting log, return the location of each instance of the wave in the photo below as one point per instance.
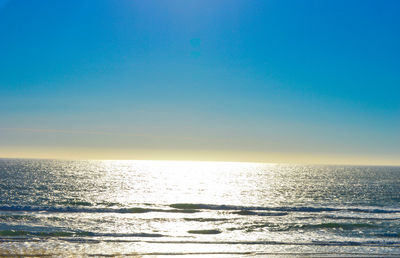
(248, 212)
(82, 238)
(75, 203)
(289, 227)
(193, 208)
(207, 219)
(354, 218)
(390, 235)
(69, 209)
(17, 233)
(184, 206)
(346, 226)
(15, 217)
(311, 243)
(205, 231)
(85, 203)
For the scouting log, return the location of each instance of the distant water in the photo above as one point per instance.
(210, 208)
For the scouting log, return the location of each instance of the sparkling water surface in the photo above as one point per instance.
(197, 208)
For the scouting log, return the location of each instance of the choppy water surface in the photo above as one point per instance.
(210, 208)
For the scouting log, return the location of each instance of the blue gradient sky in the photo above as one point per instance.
(284, 81)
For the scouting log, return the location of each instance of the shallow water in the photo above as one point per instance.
(165, 207)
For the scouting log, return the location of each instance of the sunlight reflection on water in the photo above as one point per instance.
(110, 207)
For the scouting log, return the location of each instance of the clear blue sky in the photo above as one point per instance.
(273, 79)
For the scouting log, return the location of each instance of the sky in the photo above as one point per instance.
(231, 80)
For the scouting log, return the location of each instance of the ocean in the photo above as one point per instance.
(157, 208)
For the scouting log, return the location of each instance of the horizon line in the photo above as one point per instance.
(206, 161)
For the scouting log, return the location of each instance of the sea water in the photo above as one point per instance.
(50, 207)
